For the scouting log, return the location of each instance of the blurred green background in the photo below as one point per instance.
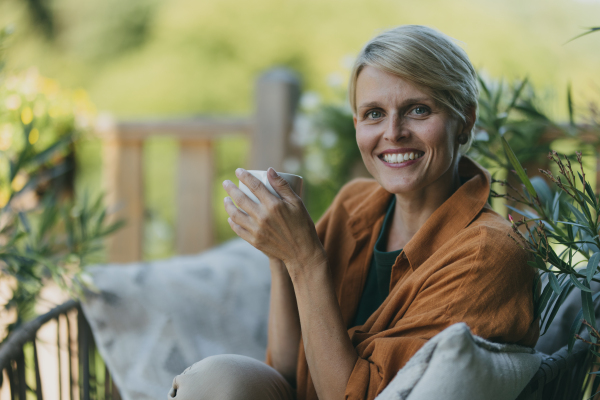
(151, 58)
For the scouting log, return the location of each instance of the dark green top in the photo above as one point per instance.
(377, 286)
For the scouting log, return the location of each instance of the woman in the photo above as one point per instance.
(394, 260)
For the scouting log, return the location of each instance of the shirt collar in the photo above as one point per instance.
(453, 215)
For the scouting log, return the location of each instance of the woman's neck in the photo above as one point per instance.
(413, 209)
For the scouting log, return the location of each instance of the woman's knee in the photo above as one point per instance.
(230, 377)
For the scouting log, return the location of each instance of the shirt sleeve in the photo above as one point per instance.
(491, 290)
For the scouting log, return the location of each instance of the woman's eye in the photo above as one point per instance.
(374, 114)
(420, 110)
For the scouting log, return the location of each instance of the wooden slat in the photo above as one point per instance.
(84, 359)
(188, 129)
(194, 197)
(124, 195)
(277, 94)
(72, 379)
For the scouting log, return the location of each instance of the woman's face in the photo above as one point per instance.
(406, 140)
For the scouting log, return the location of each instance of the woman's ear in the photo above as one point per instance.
(354, 119)
(471, 116)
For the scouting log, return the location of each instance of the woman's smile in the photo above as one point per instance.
(401, 157)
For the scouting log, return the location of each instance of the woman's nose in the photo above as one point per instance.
(396, 129)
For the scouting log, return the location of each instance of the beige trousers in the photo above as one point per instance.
(230, 377)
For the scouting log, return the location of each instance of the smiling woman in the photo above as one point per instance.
(395, 259)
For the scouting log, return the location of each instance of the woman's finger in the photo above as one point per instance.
(281, 186)
(241, 200)
(236, 215)
(255, 185)
(241, 232)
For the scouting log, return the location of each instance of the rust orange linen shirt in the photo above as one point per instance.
(461, 266)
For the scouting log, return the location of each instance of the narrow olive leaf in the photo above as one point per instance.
(567, 288)
(525, 213)
(543, 301)
(512, 158)
(590, 193)
(554, 283)
(556, 206)
(570, 104)
(575, 224)
(592, 266)
(553, 298)
(575, 327)
(578, 214)
(516, 95)
(580, 285)
(590, 30)
(587, 305)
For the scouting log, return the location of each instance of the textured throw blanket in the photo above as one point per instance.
(152, 320)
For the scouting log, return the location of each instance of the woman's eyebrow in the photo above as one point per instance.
(404, 103)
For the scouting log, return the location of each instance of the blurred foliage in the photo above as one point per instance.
(44, 233)
(142, 57)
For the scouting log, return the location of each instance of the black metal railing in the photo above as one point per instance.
(89, 379)
(563, 376)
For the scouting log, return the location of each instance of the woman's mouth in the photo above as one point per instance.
(401, 158)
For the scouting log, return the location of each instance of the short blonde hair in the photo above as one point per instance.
(425, 57)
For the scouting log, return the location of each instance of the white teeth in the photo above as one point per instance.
(398, 158)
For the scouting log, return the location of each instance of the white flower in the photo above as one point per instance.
(328, 139)
(481, 136)
(304, 131)
(310, 100)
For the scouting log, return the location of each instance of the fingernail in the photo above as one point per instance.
(272, 173)
(239, 171)
(225, 183)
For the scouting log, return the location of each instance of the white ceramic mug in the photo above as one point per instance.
(295, 182)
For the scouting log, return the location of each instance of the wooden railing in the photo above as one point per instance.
(75, 355)
(277, 93)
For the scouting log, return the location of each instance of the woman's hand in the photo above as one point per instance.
(280, 228)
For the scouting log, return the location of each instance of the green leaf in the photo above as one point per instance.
(554, 283)
(556, 206)
(525, 213)
(592, 266)
(590, 30)
(575, 327)
(575, 224)
(587, 305)
(512, 158)
(567, 288)
(579, 284)
(516, 95)
(570, 104)
(578, 215)
(543, 300)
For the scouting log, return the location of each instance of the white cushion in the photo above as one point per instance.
(456, 365)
